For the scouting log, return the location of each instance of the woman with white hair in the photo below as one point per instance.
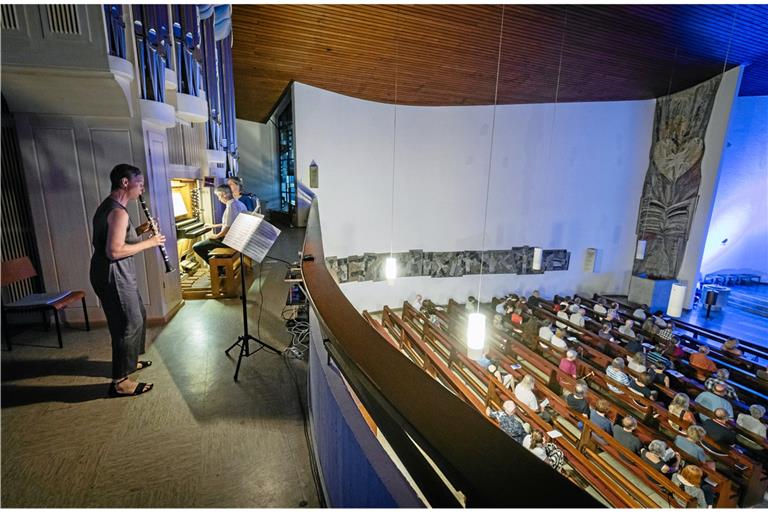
(752, 423)
(524, 393)
(658, 456)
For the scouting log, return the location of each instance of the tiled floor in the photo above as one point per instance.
(198, 439)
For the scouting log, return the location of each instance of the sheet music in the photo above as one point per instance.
(251, 235)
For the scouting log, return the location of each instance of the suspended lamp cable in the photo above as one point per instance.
(557, 87)
(394, 135)
(390, 266)
(730, 38)
(490, 157)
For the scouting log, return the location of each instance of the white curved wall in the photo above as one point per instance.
(574, 188)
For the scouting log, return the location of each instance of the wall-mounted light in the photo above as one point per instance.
(390, 268)
(538, 255)
(640, 250)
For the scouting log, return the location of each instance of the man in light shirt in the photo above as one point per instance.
(524, 393)
(600, 307)
(563, 313)
(545, 332)
(578, 317)
(231, 211)
(626, 329)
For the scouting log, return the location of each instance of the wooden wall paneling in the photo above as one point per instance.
(447, 53)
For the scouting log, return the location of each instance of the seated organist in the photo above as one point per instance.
(233, 208)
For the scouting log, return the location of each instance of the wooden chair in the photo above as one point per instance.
(22, 268)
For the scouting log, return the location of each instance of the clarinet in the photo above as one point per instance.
(148, 215)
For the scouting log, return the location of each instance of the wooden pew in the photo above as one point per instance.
(747, 472)
(444, 344)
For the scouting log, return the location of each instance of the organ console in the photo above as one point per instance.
(188, 214)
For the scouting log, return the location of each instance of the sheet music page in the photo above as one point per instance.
(251, 235)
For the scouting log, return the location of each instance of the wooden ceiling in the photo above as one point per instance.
(447, 54)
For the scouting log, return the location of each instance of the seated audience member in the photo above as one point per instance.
(762, 374)
(545, 332)
(718, 430)
(534, 299)
(649, 326)
(524, 393)
(731, 347)
(574, 308)
(497, 322)
(752, 421)
(690, 443)
(657, 373)
(657, 358)
(531, 327)
(626, 329)
(501, 375)
(640, 314)
(640, 385)
(721, 377)
(600, 308)
(233, 208)
(690, 480)
(599, 415)
(517, 317)
(538, 443)
(658, 319)
(613, 314)
(568, 363)
(418, 303)
(471, 305)
(577, 400)
(703, 364)
(636, 362)
(680, 408)
(623, 434)
(713, 400)
(655, 455)
(577, 318)
(501, 307)
(605, 332)
(665, 335)
(563, 314)
(615, 372)
(508, 422)
(634, 345)
(558, 339)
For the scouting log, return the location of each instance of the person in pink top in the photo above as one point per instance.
(568, 363)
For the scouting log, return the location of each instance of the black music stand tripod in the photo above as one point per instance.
(246, 338)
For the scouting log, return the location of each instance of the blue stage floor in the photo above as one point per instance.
(733, 321)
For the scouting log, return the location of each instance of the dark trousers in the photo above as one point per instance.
(126, 319)
(204, 247)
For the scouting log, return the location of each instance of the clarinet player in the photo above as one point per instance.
(113, 277)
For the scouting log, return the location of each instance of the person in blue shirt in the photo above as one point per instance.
(508, 422)
(238, 192)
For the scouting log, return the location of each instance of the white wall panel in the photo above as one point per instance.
(571, 184)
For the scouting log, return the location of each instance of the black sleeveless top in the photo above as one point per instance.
(104, 270)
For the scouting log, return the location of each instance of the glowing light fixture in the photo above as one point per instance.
(640, 251)
(476, 335)
(390, 268)
(476, 323)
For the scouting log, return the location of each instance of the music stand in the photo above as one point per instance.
(251, 235)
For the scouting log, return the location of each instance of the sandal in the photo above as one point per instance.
(144, 364)
(141, 388)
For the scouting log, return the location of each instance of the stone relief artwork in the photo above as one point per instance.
(555, 259)
(671, 187)
(355, 268)
(518, 260)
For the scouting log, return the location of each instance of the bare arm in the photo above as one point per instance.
(221, 234)
(116, 249)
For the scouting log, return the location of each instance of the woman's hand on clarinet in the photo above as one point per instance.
(156, 240)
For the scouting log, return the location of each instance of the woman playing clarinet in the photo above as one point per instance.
(113, 277)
